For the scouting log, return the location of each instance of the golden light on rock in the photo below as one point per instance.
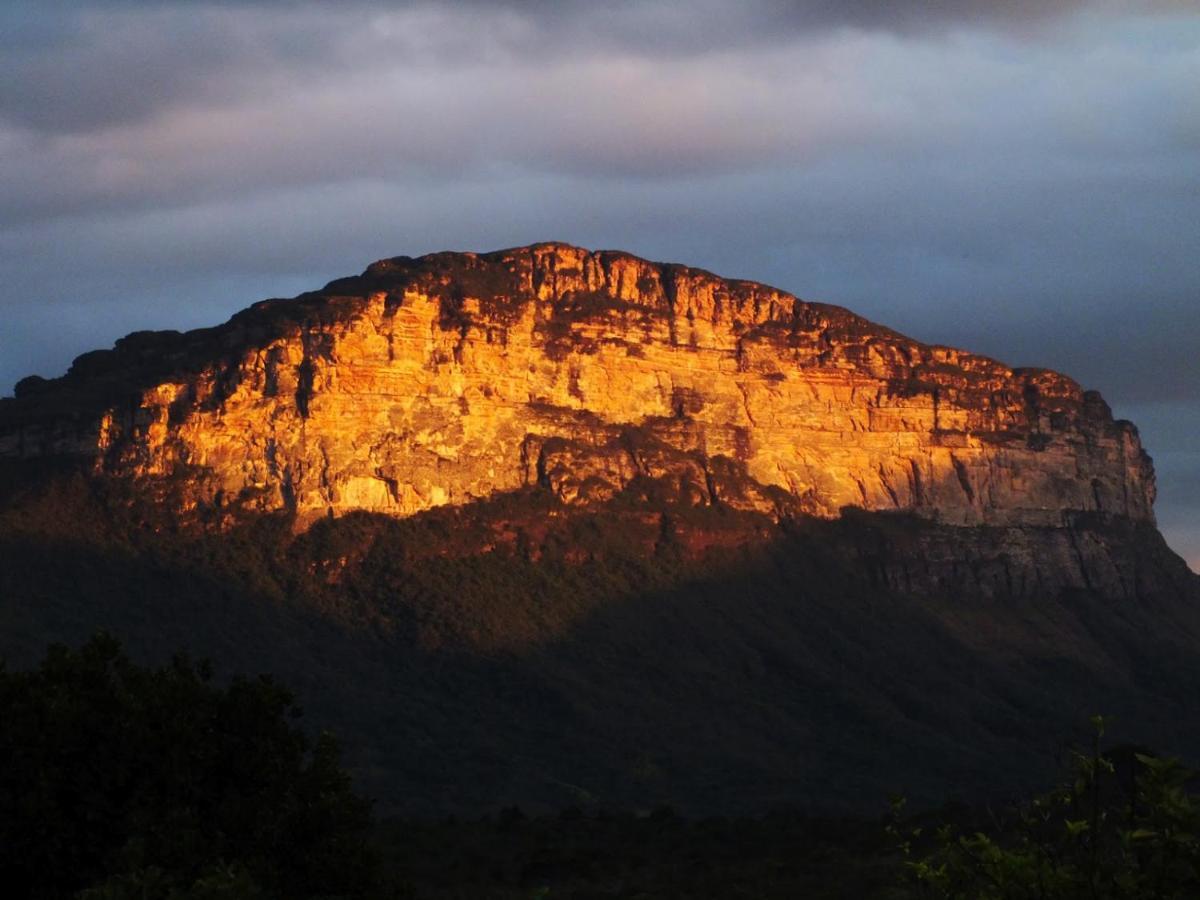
(452, 377)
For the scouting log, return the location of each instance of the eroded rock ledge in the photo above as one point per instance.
(449, 378)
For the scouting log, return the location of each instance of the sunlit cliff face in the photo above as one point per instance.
(452, 377)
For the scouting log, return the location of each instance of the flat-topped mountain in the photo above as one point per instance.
(449, 378)
(551, 527)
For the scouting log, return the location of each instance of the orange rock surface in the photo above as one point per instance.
(445, 379)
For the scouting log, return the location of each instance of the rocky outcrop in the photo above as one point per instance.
(449, 378)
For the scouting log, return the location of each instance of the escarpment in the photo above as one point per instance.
(527, 526)
(452, 377)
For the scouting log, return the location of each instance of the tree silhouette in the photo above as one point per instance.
(118, 780)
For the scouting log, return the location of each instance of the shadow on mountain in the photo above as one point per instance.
(516, 653)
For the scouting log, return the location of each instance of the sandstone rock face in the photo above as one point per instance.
(446, 379)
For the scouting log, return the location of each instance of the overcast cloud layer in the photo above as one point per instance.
(1021, 179)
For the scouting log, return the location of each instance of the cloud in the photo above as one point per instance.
(379, 114)
(71, 67)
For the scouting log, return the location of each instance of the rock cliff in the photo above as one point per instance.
(449, 378)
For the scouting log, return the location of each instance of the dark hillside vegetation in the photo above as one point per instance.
(517, 653)
(125, 782)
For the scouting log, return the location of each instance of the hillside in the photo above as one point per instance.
(550, 527)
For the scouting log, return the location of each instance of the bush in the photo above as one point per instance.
(1123, 825)
(119, 781)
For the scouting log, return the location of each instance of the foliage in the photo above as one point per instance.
(516, 651)
(654, 855)
(123, 781)
(1123, 825)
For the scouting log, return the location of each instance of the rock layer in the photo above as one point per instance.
(446, 379)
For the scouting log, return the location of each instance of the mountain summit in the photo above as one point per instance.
(449, 378)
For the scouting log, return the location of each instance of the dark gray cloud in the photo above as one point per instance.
(91, 65)
(1016, 178)
(70, 66)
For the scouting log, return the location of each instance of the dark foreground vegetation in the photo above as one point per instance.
(1122, 825)
(119, 781)
(653, 856)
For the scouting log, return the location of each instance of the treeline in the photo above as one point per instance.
(119, 781)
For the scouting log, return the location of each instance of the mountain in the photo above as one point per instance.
(447, 379)
(546, 525)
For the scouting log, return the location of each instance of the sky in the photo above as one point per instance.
(1020, 179)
